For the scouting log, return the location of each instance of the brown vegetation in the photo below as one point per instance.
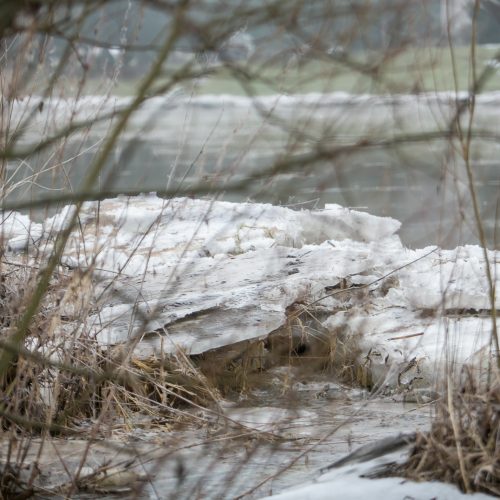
(463, 445)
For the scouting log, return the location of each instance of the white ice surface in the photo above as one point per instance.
(345, 483)
(18, 230)
(247, 261)
(436, 106)
(202, 274)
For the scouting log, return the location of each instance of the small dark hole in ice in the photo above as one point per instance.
(300, 350)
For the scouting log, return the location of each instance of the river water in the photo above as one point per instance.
(264, 444)
(372, 156)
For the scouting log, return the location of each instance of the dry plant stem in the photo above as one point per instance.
(103, 376)
(456, 432)
(91, 438)
(61, 240)
(75, 126)
(28, 423)
(466, 143)
(62, 65)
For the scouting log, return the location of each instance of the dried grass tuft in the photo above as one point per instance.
(61, 375)
(463, 445)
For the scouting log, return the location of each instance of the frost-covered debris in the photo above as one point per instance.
(204, 274)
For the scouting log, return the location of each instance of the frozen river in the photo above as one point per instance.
(228, 459)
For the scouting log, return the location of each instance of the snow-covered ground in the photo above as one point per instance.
(203, 274)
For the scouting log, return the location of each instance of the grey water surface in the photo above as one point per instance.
(385, 155)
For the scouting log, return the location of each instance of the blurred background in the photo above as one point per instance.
(387, 106)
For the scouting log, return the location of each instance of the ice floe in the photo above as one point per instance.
(200, 275)
(439, 106)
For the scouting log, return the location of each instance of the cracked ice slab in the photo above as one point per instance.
(204, 274)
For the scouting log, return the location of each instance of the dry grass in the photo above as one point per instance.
(463, 445)
(302, 343)
(62, 382)
(62, 374)
(63, 378)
